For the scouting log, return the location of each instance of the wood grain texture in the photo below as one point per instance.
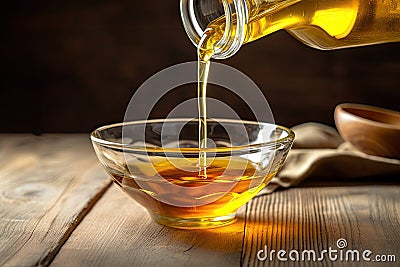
(47, 184)
(315, 218)
(53, 211)
(119, 232)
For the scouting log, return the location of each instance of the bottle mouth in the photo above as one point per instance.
(197, 14)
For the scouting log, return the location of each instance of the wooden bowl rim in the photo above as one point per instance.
(342, 108)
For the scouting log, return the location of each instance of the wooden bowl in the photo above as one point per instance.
(372, 130)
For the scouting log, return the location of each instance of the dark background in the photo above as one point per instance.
(70, 66)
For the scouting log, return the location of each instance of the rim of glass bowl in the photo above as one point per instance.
(94, 138)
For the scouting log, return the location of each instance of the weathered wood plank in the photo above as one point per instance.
(47, 184)
(368, 217)
(119, 232)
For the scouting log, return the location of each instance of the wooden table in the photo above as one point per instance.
(59, 208)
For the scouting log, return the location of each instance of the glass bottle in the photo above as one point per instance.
(321, 24)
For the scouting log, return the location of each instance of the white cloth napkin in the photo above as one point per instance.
(319, 152)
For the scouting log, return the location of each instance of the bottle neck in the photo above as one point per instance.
(197, 14)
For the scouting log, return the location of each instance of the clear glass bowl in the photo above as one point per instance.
(156, 162)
